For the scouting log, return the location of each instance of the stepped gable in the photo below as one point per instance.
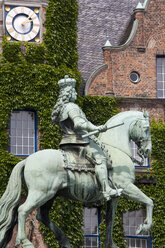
(96, 19)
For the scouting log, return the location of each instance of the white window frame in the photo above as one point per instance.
(160, 76)
(23, 132)
(88, 234)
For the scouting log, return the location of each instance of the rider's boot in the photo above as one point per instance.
(102, 176)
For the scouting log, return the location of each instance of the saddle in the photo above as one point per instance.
(76, 159)
(82, 181)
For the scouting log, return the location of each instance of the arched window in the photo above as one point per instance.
(131, 221)
(23, 133)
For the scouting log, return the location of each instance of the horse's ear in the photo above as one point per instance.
(145, 113)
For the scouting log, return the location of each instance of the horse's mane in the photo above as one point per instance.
(123, 116)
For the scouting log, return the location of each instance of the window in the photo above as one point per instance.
(160, 71)
(136, 156)
(23, 140)
(131, 221)
(91, 228)
(134, 77)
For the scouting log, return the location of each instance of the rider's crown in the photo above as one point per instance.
(66, 81)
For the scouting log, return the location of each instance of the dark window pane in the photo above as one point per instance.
(18, 124)
(31, 132)
(25, 150)
(19, 150)
(159, 69)
(19, 141)
(132, 242)
(31, 124)
(31, 150)
(25, 124)
(159, 77)
(13, 132)
(25, 132)
(19, 132)
(94, 242)
(159, 85)
(31, 141)
(137, 242)
(13, 149)
(13, 141)
(160, 93)
(25, 142)
(88, 241)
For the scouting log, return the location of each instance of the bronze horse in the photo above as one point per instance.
(46, 177)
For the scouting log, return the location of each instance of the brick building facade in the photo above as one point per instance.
(134, 70)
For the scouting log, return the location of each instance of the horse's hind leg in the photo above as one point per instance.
(43, 216)
(34, 200)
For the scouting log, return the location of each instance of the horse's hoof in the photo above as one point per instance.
(143, 229)
(139, 230)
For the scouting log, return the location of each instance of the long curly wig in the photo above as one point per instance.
(64, 97)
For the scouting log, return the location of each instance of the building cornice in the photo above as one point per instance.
(140, 99)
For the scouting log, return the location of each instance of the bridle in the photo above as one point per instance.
(136, 133)
(134, 160)
(134, 130)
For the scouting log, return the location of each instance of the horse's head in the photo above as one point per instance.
(140, 134)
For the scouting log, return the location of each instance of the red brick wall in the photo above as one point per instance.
(150, 35)
(139, 56)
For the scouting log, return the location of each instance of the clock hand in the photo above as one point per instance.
(27, 20)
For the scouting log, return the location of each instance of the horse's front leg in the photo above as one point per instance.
(136, 194)
(110, 215)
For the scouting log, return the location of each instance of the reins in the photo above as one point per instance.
(131, 157)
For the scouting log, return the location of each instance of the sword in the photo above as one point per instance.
(97, 131)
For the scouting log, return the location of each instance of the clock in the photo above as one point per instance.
(22, 23)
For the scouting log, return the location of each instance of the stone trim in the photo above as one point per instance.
(93, 75)
(127, 43)
(27, 3)
(144, 99)
(142, 6)
(146, 4)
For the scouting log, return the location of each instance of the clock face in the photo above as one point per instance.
(22, 23)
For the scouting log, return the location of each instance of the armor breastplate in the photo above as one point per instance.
(72, 136)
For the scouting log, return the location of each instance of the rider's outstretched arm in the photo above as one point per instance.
(81, 122)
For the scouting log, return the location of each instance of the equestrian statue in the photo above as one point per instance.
(87, 168)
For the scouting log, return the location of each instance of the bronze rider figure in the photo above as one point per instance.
(74, 124)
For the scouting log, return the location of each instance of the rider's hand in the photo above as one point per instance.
(102, 128)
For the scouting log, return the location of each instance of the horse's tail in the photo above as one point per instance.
(9, 203)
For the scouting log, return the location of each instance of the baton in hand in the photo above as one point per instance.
(97, 131)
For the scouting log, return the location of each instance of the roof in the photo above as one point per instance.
(96, 20)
